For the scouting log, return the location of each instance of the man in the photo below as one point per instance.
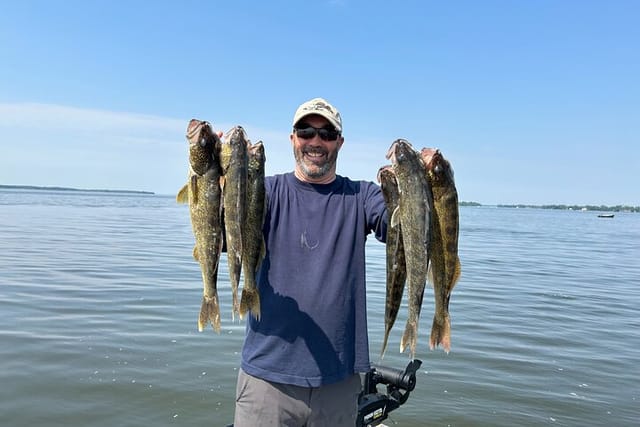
(300, 361)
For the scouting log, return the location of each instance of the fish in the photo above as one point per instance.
(203, 194)
(234, 163)
(253, 245)
(444, 263)
(413, 214)
(396, 267)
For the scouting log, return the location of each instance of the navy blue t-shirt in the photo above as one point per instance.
(313, 325)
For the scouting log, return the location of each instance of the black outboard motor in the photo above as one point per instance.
(374, 407)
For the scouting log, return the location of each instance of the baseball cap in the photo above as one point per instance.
(322, 108)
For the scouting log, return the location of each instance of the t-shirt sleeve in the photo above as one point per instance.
(377, 217)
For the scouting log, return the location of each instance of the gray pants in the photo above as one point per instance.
(263, 403)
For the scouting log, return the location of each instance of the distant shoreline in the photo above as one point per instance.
(600, 208)
(37, 187)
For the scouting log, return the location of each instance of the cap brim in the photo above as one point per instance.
(327, 116)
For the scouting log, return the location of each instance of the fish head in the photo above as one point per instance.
(427, 155)
(202, 145)
(404, 159)
(257, 156)
(234, 141)
(236, 136)
(257, 150)
(386, 174)
(194, 129)
(399, 150)
(438, 168)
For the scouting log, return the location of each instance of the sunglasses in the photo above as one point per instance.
(306, 131)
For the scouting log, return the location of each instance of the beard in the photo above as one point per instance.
(315, 168)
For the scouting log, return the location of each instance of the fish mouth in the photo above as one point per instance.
(391, 153)
(397, 148)
(234, 133)
(256, 149)
(199, 132)
(194, 129)
(387, 169)
(430, 157)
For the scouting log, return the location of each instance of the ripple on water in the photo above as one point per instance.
(100, 296)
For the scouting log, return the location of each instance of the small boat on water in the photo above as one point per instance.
(605, 215)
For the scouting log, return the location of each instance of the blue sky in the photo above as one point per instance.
(532, 101)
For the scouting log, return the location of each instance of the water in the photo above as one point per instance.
(99, 298)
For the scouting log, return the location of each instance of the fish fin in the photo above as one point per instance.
(222, 181)
(195, 254)
(426, 238)
(395, 217)
(384, 342)
(183, 194)
(209, 313)
(456, 273)
(430, 278)
(193, 190)
(441, 333)
(235, 267)
(263, 252)
(409, 338)
(250, 301)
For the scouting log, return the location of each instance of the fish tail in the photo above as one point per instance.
(235, 268)
(384, 341)
(209, 312)
(250, 301)
(234, 275)
(409, 337)
(441, 333)
(235, 306)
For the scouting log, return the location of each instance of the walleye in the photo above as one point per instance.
(253, 245)
(413, 213)
(202, 193)
(234, 162)
(396, 267)
(444, 267)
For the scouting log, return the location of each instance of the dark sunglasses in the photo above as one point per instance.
(306, 131)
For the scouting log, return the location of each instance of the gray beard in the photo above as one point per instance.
(314, 171)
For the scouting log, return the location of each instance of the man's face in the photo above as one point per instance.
(315, 157)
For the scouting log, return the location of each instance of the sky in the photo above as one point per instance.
(532, 102)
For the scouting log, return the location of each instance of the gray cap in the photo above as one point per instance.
(322, 108)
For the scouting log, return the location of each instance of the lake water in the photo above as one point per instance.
(99, 297)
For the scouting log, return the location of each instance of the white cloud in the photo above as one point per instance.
(44, 144)
(60, 117)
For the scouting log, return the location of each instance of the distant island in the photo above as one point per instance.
(36, 187)
(601, 208)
